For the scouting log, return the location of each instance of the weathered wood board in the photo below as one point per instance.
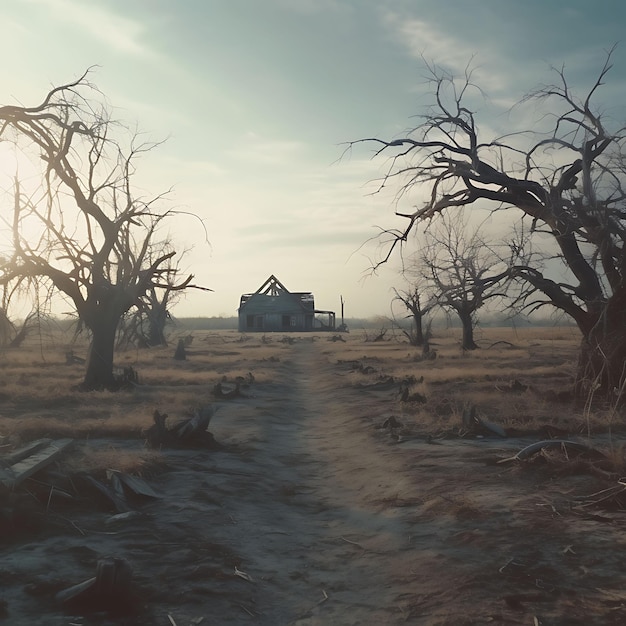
(26, 467)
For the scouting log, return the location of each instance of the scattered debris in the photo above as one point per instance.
(136, 485)
(123, 517)
(406, 396)
(72, 359)
(113, 495)
(387, 382)
(272, 359)
(226, 392)
(125, 377)
(391, 423)
(246, 380)
(378, 337)
(508, 344)
(514, 387)
(191, 432)
(121, 486)
(109, 590)
(243, 575)
(324, 598)
(565, 445)
(472, 424)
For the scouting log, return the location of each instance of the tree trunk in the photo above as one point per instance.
(157, 319)
(468, 331)
(418, 334)
(602, 357)
(99, 369)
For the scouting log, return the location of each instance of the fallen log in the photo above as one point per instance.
(191, 432)
(566, 444)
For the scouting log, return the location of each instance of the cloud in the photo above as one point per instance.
(439, 45)
(117, 32)
(260, 150)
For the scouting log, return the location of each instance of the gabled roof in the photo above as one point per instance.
(272, 287)
(273, 291)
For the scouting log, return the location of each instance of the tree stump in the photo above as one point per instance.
(181, 353)
(109, 590)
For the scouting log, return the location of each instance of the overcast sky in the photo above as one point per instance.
(256, 98)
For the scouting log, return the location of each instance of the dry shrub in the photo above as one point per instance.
(38, 399)
(39, 396)
(459, 507)
(140, 462)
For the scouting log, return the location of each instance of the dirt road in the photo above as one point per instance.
(310, 514)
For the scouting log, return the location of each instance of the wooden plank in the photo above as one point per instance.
(6, 476)
(119, 502)
(138, 486)
(24, 451)
(41, 458)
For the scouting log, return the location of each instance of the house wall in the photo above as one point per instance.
(274, 322)
(263, 313)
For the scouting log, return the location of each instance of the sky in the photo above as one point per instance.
(256, 99)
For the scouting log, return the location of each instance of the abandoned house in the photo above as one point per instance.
(273, 307)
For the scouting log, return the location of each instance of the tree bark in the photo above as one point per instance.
(99, 368)
(602, 358)
(467, 322)
(157, 319)
(418, 334)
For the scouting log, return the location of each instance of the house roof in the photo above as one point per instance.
(272, 295)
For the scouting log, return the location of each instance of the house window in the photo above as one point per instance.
(259, 321)
(287, 322)
(249, 321)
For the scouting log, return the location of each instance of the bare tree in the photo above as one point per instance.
(93, 235)
(419, 304)
(465, 270)
(145, 324)
(22, 290)
(567, 181)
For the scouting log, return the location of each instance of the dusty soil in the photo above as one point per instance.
(312, 513)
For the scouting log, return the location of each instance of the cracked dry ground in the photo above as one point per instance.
(329, 521)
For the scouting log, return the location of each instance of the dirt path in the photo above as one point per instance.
(311, 516)
(339, 526)
(308, 521)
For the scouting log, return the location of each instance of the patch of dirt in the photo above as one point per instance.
(311, 514)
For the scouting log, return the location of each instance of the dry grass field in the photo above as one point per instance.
(345, 486)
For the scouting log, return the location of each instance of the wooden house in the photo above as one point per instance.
(272, 307)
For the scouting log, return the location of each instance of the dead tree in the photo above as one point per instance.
(567, 181)
(98, 243)
(466, 272)
(412, 300)
(13, 332)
